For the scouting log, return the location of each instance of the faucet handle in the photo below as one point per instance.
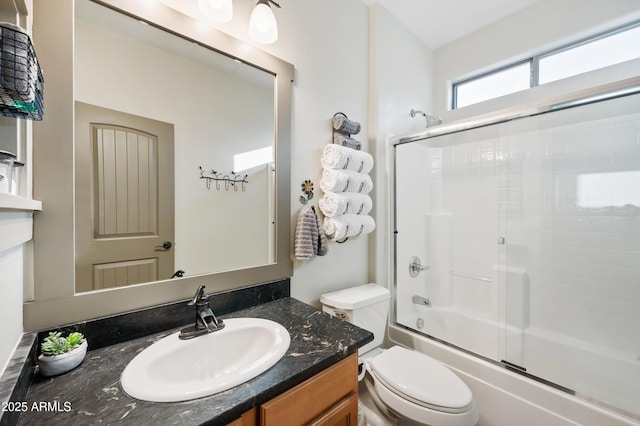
(199, 296)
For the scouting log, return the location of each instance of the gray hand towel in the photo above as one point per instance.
(310, 240)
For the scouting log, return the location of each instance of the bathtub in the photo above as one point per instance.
(593, 373)
(591, 370)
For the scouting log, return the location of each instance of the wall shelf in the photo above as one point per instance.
(10, 202)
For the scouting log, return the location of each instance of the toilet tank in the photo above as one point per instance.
(365, 305)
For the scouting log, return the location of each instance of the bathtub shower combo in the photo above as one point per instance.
(519, 241)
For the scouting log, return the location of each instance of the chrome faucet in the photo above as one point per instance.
(206, 321)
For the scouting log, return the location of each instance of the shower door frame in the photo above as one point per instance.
(621, 88)
(606, 92)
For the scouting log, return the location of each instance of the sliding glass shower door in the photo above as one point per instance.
(528, 233)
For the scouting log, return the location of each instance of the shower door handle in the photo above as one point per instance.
(415, 267)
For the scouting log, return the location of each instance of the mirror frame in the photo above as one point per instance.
(51, 299)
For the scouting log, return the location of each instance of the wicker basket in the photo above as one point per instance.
(21, 81)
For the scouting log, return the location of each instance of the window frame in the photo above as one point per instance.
(534, 63)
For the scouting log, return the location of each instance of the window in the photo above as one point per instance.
(599, 53)
(494, 84)
(609, 49)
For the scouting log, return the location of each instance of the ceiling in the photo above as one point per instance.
(438, 22)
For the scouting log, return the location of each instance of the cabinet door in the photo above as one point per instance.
(344, 413)
(250, 418)
(319, 399)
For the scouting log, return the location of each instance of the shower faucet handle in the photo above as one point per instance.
(415, 267)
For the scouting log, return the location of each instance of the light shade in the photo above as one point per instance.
(262, 24)
(216, 10)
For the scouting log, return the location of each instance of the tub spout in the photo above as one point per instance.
(419, 300)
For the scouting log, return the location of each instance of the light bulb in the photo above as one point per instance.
(262, 24)
(217, 10)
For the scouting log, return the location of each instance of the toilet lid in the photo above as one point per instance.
(422, 379)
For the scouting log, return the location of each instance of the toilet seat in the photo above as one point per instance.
(404, 408)
(407, 376)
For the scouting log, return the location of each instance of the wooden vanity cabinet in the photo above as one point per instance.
(330, 398)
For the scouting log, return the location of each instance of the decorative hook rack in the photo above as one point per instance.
(234, 180)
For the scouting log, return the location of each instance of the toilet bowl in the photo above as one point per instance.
(401, 386)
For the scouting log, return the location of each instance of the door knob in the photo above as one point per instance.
(165, 246)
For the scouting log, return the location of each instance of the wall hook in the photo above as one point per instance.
(307, 189)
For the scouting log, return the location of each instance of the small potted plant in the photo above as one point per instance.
(61, 354)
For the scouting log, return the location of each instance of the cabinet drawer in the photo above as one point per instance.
(315, 397)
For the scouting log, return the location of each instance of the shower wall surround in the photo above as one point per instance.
(532, 234)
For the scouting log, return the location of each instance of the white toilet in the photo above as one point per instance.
(401, 386)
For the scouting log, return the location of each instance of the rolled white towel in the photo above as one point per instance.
(345, 181)
(342, 124)
(341, 157)
(333, 204)
(340, 139)
(348, 225)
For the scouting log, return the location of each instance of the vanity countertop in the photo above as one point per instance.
(91, 394)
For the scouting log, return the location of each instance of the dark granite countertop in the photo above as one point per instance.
(91, 394)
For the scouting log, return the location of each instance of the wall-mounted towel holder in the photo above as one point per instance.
(347, 231)
(234, 180)
(343, 128)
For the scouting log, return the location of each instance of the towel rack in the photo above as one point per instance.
(342, 129)
(357, 235)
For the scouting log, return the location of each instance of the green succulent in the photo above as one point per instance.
(55, 344)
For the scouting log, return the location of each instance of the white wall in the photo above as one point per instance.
(16, 227)
(327, 43)
(12, 276)
(401, 71)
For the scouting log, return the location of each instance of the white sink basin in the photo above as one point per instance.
(174, 370)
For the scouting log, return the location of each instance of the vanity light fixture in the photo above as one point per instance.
(217, 10)
(263, 27)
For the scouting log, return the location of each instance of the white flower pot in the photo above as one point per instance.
(53, 365)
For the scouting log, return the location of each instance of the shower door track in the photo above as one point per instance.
(605, 92)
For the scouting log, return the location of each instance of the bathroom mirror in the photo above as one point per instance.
(129, 79)
(218, 98)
